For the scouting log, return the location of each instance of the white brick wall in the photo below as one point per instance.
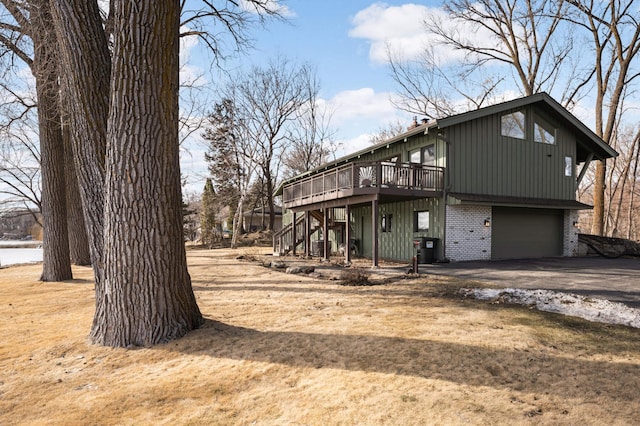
(570, 241)
(466, 236)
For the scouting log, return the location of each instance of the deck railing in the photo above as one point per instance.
(353, 176)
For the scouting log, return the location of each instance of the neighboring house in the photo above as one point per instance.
(495, 183)
(253, 220)
(258, 218)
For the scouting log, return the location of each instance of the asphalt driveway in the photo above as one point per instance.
(617, 280)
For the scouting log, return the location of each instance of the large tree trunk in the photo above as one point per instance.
(147, 296)
(271, 203)
(78, 240)
(56, 263)
(85, 55)
(597, 224)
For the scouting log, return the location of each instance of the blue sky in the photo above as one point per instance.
(345, 41)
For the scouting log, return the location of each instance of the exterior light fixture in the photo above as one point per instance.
(487, 223)
(575, 224)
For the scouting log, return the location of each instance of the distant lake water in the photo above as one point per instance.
(12, 252)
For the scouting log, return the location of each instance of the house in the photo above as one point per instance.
(258, 218)
(495, 183)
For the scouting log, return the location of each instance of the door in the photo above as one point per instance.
(520, 233)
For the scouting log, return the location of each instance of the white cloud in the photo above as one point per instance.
(349, 146)
(402, 30)
(190, 75)
(585, 112)
(362, 105)
(272, 5)
(193, 166)
(395, 27)
(358, 114)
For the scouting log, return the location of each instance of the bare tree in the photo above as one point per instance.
(142, 214)
(487, 35)
(522, 35)
(311, 140)
(428, 88)
(224, 27)
(270, 99)
(632, 213)
(391, 130)
(84, 49)
(32, 28)
(79, 251)
(20, 164)
(28, 35)
(614, 29)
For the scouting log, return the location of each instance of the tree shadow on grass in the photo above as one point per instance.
(535, 371)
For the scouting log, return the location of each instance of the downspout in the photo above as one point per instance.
(445, 190)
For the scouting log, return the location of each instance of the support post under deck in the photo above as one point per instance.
(374, 232)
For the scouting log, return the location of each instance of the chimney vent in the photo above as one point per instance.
(414, 124)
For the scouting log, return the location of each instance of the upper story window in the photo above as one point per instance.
(543, 132)
(568, 166)
(425, 155)
(429, 155)
(513, 125)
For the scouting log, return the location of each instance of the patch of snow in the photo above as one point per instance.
(591, 309)
(14, 256)
(18, 243)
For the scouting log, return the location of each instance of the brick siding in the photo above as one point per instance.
(570, 240)
(466, 236)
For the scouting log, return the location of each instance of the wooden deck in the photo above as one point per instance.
(361, 181)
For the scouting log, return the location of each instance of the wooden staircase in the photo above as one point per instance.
(283, 239)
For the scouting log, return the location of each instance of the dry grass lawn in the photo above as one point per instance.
(280, 349)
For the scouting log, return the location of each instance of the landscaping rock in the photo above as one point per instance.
(608, 247)
(300, 269)
(278, 264)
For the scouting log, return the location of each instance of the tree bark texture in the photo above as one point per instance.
(597, 224)
(87, 64)
(56, 262)
(147, 296)
(78, 240)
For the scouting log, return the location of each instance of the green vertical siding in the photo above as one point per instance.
(401, 149)
(398, 243)
(484, 162)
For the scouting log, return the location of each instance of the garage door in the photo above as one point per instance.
(519, 233)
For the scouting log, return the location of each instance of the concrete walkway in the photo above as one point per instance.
(617, 280)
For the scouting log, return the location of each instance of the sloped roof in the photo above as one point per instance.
(587, 139)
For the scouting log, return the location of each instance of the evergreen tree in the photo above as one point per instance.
(208, 223)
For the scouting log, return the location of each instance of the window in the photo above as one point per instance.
(424, 156)
(513, 125)
(386, 222)
(428, 156)
(568, 166)
(421, 221)
(544, 133)
(414, 156)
